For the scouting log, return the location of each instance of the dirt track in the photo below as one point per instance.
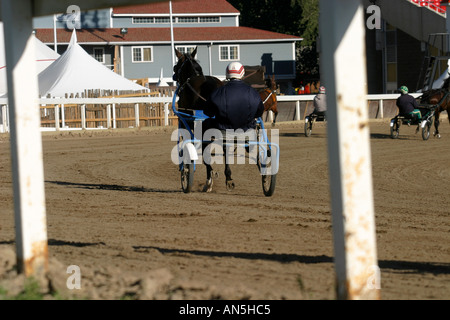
(115, 209)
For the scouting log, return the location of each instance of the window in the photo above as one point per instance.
(165, 20)
(142, 54)
(186, 49)
(209, 19)
(99, 54)
(228, 53)
(141, 20)
(187, 20)
(162, 20)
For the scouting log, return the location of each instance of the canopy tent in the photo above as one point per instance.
(44, 57)
(75, 71)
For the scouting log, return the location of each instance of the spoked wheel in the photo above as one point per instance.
(395, 130)
(265, 166)
(187, 177)
(268, 184)
(426, 130)
(308, 126)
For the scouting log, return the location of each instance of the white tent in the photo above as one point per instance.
(76, 71)
(44, 57)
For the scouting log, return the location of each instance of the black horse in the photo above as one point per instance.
(194, 90)
(194, 87)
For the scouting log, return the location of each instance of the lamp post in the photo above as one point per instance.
(123, 32)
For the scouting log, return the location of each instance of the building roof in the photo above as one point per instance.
(162, 35)
(179, 7)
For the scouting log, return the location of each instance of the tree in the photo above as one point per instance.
(294, 17)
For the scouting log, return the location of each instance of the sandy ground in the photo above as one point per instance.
(116, 210)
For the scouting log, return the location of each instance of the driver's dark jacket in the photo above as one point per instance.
(235, 106)
(406, 104)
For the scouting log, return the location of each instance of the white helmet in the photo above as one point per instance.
(235, 70)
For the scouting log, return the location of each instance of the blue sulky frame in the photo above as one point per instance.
(268, 154)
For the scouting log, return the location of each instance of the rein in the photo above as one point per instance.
(196, 93)
(186, 83)
(267, 98)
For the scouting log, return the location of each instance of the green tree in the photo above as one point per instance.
(294, 17)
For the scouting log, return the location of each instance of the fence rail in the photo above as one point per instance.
(111, 113)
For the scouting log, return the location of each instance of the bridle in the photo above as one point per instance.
(187, 82)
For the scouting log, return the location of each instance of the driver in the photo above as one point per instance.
(407, 105)
(234, 106)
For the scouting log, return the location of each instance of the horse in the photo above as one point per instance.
(194, 91)
(441, 98)
(269, 98)
(194, 87)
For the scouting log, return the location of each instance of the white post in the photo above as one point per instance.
(83, 116)
(5, 118)
(343, 59)
(114, 116)
(57, 117)
(136, 114)
(166, 114)
(63, 117)
(26, 142)
(381, 109)
(108, 116)
(297, 110)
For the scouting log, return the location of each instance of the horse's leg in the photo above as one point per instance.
(436, 125)
(228, 180)
(209, 171)
(275, 117)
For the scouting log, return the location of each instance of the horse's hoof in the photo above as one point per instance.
(230, 185)
(438, 136)
(273, 124)
(215, 174)
(208, 185)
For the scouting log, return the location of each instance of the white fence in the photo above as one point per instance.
(376, 102)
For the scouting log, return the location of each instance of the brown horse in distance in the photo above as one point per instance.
(269, 98)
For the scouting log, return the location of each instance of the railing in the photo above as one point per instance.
(380, 107)
(434, 5)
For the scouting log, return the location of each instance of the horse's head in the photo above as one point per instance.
(272, 84)
(186, 66)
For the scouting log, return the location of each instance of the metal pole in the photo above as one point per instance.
(54, 34)
(26, 143)
(171, 34)
(344, 72)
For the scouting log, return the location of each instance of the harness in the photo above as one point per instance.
(186, 83)
(270, 94)
(444, 97)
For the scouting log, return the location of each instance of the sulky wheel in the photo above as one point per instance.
(308, 126)
(187, 177)
(426, 130)
(395, 130)
(268, 184)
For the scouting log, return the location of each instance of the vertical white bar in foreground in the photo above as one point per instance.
(26, 143)
(342, 37)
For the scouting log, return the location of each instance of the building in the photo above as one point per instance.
(411, 46)
(137, 41)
